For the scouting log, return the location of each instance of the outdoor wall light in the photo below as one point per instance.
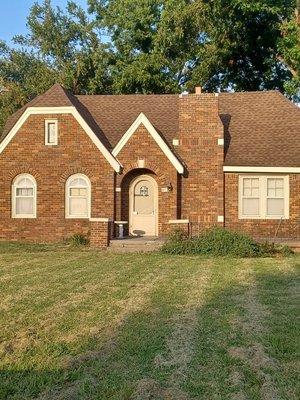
(170, 187)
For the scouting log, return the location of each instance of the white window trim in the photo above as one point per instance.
(263, 196)
(47, 122)
(14, 198)
(67, 197)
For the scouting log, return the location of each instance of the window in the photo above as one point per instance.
(51, 132)
(24, 197)
(264, 197)
(78, 197)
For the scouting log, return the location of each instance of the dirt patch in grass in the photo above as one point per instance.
(253, 326)
(254, 355)
(180, 344)
(235, 378)
(149, 389)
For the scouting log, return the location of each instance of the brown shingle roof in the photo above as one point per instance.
(261, 128)
(115, 114)
(56, 96)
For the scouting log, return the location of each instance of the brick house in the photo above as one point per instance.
(148, 163)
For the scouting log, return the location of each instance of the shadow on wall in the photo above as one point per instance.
(226, 118)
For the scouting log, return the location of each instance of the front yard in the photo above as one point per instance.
(80, 324)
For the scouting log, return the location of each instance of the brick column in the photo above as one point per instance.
(100, 232)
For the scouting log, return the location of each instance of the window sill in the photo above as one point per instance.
(68, 217)
(23, 217)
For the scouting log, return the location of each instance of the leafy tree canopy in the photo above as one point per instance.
(153, 46)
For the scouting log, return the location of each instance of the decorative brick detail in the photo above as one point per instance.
(100, 233)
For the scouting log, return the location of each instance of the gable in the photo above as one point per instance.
(161, 143)
(61, 110)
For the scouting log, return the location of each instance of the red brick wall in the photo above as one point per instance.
(141, 146)
(51, 166)
(100, 234)
(202, 189)
(197, 196)
(289, 228)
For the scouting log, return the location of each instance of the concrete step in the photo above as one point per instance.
(135, 245)
(294, 245)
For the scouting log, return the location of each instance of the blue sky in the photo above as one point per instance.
(13, 15)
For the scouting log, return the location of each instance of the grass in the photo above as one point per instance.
(81, 324)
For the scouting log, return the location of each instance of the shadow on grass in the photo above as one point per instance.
(141, 362)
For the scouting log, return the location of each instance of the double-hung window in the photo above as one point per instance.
(263, 197)
(78, 197)
(24, 197)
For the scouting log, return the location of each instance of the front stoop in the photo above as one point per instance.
(294, 244)
(135, 245)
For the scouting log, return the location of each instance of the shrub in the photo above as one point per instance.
(177, 243)
(219, 242)
(286, 251)
(79, 240)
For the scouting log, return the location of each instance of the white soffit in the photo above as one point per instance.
(277, 170)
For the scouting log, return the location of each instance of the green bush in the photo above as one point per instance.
(79, 240)
(219, 242)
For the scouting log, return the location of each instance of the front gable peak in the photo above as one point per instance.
(142, 119)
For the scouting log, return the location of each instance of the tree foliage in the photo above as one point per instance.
(153, 46)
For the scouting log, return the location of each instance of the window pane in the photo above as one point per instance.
(275, 207)
(25, 192)
(24, 205)
(247, 191)
(78, 207)
(81, 182)
(275, 187)
(247, 183)
(250, 206)
(251, 187)
(78, 192)
(74, 192)
(51, 132)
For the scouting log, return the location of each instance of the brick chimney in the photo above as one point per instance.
(201, 137)
(198, 89)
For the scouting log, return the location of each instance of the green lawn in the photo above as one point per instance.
(79, 324)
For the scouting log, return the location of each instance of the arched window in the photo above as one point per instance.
(78, 196)
(24, 197)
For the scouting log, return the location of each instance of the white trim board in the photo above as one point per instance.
(142, 119)
(62, 110)
(278, 170)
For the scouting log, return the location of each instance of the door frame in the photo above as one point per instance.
(131, 195)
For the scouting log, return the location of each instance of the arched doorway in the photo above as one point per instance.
(143, 206)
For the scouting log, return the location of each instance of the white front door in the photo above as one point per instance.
(143, 206)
